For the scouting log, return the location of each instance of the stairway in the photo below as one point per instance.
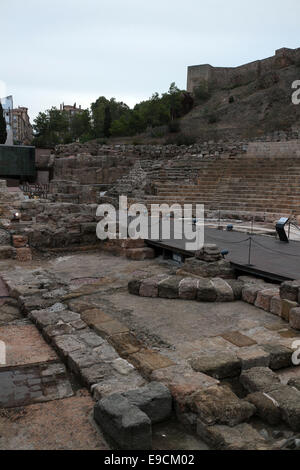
(241, 185)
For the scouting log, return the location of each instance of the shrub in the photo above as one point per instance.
(231, 99)
(201, 94)
(174, 126)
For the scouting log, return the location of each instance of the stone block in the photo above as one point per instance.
(276, 305)
(19, 241)
(122, 366)
(280, 356)
(294, 382)
(263, 299)
(249, 293)
(105, 380)
(238, 339)
(124, 423)
(209, 253)
(188, 288)
(43, 318)
(125, 343)
(242, 437)
(237, 288)
(289, 290)
(287, 306)
(169, 288)
(94, 316)
(57, 330)
(153, 399)
(206, 291)
(219, 405)
(218, 365)
(183, 381)
(259, 379)
(295, 318)
(288, 401)
(146, 361)
(23, 254)
(149, 287)
(201, 268)
(110, 328)
(223, 290)
(66, 344)
(81, 359)
(253, 357)
(266, 407)
(134, 286)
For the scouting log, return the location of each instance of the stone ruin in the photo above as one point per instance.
(136, 386)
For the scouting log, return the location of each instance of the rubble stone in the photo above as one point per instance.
(266, 407)
(241, 437)
(288, 400)
(259, 379)
(219, 405)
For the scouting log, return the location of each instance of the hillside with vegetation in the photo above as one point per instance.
(260, 107)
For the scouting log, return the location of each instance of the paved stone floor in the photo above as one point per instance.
(179, 328)
(41, 404)
(156, 333)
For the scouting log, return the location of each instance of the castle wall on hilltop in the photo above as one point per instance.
(230, 77)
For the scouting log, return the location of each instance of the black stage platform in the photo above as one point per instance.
(270, 258)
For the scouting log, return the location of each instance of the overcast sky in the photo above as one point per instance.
(78, 50)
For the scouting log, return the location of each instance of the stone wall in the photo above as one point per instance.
(229, 77)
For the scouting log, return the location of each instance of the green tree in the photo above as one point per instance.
(154, 112)
(80, 126)
(117, 110)
(3, 132)
(54, 127)
(107, 121)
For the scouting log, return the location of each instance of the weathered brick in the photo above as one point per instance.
(287, 306)
(263, 299)
(295, 318)
(276, 305)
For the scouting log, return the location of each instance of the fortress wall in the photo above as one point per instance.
(229, 77)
